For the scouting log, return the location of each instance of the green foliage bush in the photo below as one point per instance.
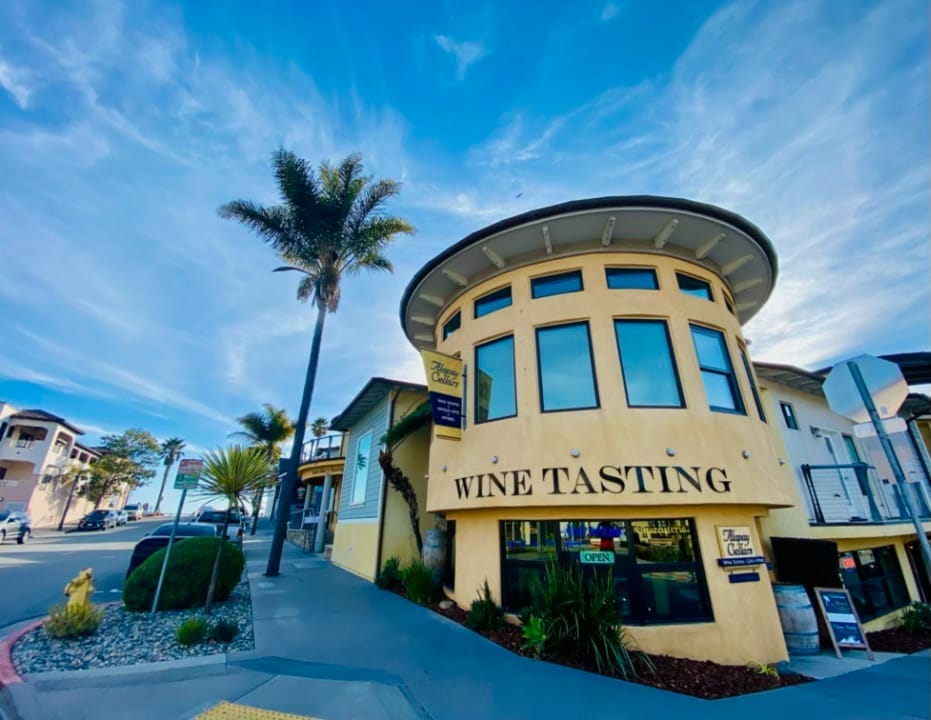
(916, 619)
(419, 583)
(73, 621)
(224, 631)
(484, 613)
(535, 635)
(582, 620)
(187, 576)
(192, 631)
(390, 575)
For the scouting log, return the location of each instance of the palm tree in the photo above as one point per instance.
(266, 431)
(231, 474)
(319, 427)
(330, 223)
(170, 451)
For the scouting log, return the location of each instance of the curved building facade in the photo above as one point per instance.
(611, 415)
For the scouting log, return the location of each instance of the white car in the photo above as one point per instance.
(133, 512)
(217, 518)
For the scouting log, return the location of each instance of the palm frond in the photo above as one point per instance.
(370, 201)
(233, 472)
(272, 224)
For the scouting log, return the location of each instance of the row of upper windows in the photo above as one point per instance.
(571, 281)
(567, 378)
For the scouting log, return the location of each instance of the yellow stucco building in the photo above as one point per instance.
(610, 405)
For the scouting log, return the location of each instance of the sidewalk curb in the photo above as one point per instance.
(124, 671)
(8, 674)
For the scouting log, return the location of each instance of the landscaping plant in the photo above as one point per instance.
(418, 583)
(187, 576)
(484, 613)
(765, 669)
(535, 635)
(192, 631)
(390, 575)
(224, 631)
(73, 621)
(916, 619)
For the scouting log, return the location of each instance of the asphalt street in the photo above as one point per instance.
(33, 575)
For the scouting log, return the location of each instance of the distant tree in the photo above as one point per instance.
(320, 427)
(266, 431)
(170, 451)
(126, 460)
(331, 222)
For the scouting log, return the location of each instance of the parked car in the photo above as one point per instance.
(98, 520)
(121, 517)
(216, 518)
(15, 524)
(133, 512)
(158, 538)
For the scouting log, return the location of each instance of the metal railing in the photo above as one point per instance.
(842, 494)
(322, 448)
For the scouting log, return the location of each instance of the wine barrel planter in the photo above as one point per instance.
(434, 552)
(798, 619)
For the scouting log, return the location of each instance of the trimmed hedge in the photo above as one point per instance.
(187, 576)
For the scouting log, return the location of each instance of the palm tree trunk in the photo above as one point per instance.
(289, 481)
(256, 505)
(212, 588)
(161, 490)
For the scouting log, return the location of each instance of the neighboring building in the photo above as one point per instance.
(40, 460)
(321, 474)
(610, 404)
(373, 522)
(845, 491)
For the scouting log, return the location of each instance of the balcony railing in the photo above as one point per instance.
(844, 494)
(322, 448)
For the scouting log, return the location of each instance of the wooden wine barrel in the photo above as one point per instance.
(798, 619)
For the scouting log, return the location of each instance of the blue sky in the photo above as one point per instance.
(123, 126)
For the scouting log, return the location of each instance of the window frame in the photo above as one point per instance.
(355, 471)
(672, 356)
(577, 273)
(457, 317)
(505, 289)
(754, 390)
(731, 376)
(478, 346)
(631, 270)
(689, 276)
(790, 418)
(591, 360)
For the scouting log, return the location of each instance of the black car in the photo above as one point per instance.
(158, 538)
(98, 520)
(14, 524)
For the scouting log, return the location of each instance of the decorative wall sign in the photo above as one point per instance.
(737, 551)
(444, 381)
(842, 620)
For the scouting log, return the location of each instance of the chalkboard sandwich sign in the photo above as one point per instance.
(842, 620)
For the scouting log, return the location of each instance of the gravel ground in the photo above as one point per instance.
(129, 638)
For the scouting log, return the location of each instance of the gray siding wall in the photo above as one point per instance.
(375, 421)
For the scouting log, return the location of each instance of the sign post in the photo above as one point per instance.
(843, 623)
(186, 479)
(854, 388)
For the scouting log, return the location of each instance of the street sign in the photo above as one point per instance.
(188, 474)
(883, 379)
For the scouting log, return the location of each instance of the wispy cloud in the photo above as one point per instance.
(13, 81)
(609, 12)
(465, 53)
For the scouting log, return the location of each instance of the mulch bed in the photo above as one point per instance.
(698, 678)
(899, 641)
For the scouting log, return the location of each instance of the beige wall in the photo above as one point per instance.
(355, 546)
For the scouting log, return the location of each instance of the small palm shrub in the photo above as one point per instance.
(390, 575)
(187, 576)
(73, 621)
(916, 619)
(582, 621)
(192, 631)
(484, 613)
(224, 631)
(535, 635)
(419, 583)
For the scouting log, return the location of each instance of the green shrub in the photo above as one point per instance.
(582, 621)
(485, 613)
(224, 631)
(73, 621)
(192, 631)
(916, 619)
(535, 635)
(187, 576)
(390, 575)
(419, 583)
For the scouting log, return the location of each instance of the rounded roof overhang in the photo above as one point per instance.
(723, 241)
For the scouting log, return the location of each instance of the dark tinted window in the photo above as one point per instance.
(717, 372)
(218, 517)
(4, 515)
(452, 325)
(493, 301)
(753, 388)
(567, 373)
(693, 286)
(631, 279)
(788, 414)
(556, 284)
(494, 390)
(647, 364)
(186, 529)
(98, 514)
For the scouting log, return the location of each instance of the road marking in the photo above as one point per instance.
(234, 711)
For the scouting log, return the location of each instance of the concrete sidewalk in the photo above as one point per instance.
(332, 646)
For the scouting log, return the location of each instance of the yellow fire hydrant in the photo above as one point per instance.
(79, 589)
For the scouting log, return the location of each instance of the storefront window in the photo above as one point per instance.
(717, 372)
(493, 301)
(631, 279)
(874, 578)
(560, 284)
(494, 389)
(657, 572)
(566, 368)
(647, 364)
